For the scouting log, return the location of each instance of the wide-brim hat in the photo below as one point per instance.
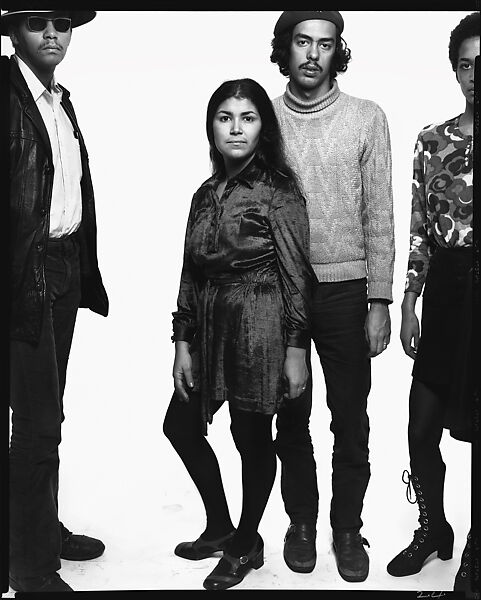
(79, 17)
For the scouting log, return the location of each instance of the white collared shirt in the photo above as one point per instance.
(66, 205)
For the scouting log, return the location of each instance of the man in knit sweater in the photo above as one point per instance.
(339, 146)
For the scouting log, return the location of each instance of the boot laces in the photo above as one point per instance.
(413, 487)
(408, 480)
(418, 539)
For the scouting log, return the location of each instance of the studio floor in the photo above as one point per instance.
(142, 507)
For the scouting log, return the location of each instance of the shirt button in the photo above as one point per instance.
(43, 211)
(39, 247)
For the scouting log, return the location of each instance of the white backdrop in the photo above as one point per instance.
(140, 83)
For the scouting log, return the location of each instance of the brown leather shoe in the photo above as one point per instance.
(45, 583)
(351, 558)
(300, 547)
(79, 547)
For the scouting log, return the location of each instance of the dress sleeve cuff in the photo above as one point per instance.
(183, 333)
(298, 338)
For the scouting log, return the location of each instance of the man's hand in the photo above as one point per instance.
(182, 371)
(378, 328)
(296, 374)
(409, 325)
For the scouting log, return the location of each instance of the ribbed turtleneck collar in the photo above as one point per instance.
(310, 106)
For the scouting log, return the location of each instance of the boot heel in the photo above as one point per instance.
(258, 561)
(446, 552)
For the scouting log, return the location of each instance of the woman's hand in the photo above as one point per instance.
(295, 372)
(409, 325)
(182, 371)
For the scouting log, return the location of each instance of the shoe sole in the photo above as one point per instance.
(304, 568)
(80, 558)
(15, 588)
(203, 557)
(353, 578)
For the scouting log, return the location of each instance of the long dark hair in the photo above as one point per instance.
(270, 149)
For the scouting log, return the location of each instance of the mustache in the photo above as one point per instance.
(56, 46)
(311, 66)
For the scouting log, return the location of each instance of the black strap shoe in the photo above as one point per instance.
(300, 547)
(351, 557)
(230, 570)
(200, 548)
(79, 547)
(45, 583)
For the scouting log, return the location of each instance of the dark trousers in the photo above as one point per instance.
(37, 376)
(338, 316)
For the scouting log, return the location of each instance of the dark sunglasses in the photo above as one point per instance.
(61, 24)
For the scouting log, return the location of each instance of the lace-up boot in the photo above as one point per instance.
(462, 582)
(434, 534)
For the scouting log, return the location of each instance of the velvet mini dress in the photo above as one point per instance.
(245, 289)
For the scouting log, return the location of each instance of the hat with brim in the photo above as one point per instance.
(290, 18)
(79, 17)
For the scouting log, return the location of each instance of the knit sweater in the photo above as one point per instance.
(339, 146)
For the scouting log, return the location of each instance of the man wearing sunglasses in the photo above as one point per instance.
(53, 271)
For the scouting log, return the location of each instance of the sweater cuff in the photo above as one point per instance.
(380, 300)
(298, 338)
(377, 290)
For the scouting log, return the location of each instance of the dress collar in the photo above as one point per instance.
(249, 175)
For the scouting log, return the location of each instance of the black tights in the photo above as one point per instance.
(427, 405)
(252, 434)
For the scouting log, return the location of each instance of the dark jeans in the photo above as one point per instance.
(338, 316)
(37, 376)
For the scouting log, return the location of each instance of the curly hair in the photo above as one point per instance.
(281, 49)
(467, 28)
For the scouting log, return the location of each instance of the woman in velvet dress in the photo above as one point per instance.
(441, 261)
(241, 329)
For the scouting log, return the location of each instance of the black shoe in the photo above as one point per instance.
(300, 547)
(201, 548)
(79, 547)
(231, 571)
(351, 558)
(45, 583)
(426, 540)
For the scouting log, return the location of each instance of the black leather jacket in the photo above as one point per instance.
(30, 190)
